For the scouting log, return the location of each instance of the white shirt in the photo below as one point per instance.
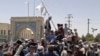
(28, 54)
(19, 50)
(83, 50)
(98, 52)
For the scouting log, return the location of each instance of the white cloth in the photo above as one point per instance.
(64, 53)
(28, 54)
(83, 50)
(19, 50)
(40, 47)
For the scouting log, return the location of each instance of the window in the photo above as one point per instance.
(1, 32)
(4, 31)
(8, 32)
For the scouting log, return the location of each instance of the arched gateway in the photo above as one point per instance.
(19, 24)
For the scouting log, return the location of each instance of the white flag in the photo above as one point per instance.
(26, 2)
(40, 7)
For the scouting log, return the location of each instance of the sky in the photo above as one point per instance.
(81, 10)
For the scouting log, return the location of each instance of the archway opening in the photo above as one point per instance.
(26, 33)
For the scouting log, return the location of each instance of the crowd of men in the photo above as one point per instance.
(61, 42)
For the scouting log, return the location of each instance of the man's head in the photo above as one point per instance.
(19, 42)
(49, 18)
(32, 46)
(60, 26)
(51, 32)
(75, 30)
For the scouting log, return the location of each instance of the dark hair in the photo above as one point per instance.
(50, 18)
(33, 44)
(19, 42)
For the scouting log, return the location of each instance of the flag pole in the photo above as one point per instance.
(28, 7)
(53, 24)
(34, 8)
(27, 4)
(49, 15)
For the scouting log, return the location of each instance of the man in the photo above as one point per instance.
(51, 51)
(60, 32)
(40, 50)
(75, 38)
(18, 49)
(47, 26)
(50, 38)
(31, 52)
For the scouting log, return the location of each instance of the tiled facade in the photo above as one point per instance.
(18, 28)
